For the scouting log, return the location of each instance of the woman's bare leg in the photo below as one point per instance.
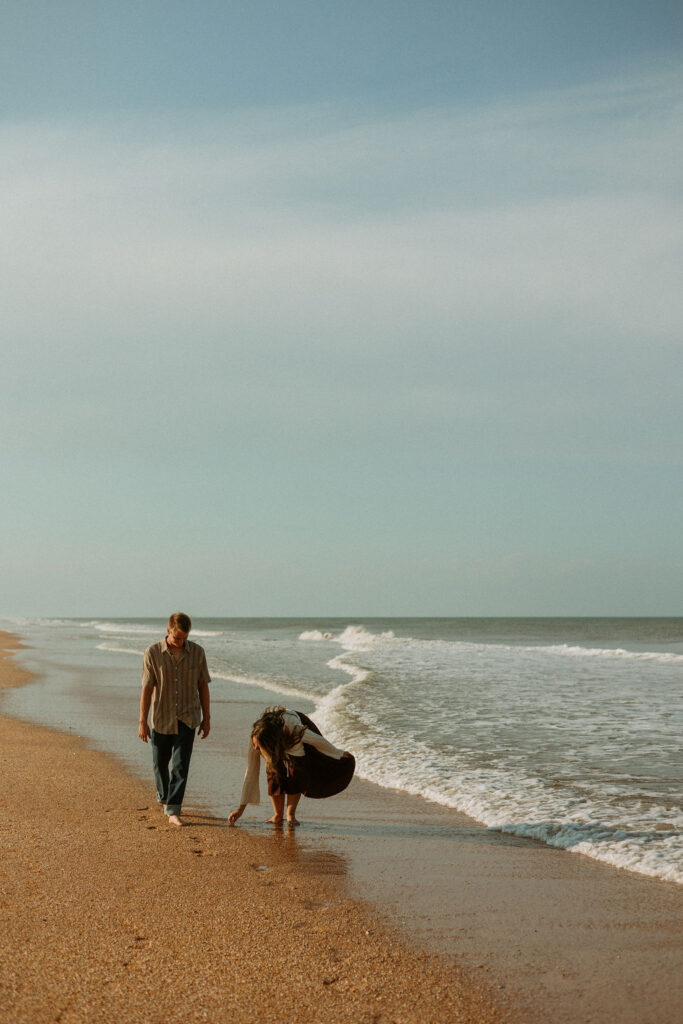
(278, 807)
(292, 801)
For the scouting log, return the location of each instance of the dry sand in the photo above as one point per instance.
(109, 914)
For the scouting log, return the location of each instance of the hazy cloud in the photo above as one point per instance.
(353, 301)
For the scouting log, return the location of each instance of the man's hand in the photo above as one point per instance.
(205, 728)
(145, 704)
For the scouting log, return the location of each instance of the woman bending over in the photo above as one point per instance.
(299, 761)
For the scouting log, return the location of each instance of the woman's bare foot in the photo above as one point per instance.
(291, 820)
(173, 819)
(275, 820)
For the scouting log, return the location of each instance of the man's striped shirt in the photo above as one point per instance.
(176, 685)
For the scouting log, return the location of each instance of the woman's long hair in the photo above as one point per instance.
(275, 738)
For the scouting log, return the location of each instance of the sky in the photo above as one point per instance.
(341, 308)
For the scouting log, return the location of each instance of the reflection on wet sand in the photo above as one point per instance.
(294, 849)
(290, 846)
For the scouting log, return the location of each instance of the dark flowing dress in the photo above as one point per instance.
(315, 775)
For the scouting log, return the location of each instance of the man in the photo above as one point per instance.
(175, 683)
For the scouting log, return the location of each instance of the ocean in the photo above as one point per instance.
(567, 731)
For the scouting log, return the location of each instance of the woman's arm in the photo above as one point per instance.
(234, 815)
(250, 786)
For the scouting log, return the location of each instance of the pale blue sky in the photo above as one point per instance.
(341, 308)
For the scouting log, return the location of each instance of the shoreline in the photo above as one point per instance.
(250, 928)
(537, 933)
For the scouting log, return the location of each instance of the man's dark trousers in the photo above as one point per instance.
(171, 759)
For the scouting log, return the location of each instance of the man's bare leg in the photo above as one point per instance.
(174, 819)
(279, 809)
(292, 801)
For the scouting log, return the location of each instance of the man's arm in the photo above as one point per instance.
(145, 702)
(149, 681)
(205, 701)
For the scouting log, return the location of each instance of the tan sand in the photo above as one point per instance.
(109, 914)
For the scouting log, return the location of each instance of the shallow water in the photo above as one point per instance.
(565, 730)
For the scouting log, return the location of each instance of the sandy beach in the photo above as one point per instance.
(396, 910)
(107, 913)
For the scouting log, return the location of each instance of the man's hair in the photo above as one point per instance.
(179, 620)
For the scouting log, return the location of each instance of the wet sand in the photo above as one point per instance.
(523, 932)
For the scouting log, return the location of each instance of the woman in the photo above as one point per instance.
(299, 760)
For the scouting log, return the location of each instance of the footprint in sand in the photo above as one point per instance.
(314, 904)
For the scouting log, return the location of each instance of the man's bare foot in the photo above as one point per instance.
(173, 819)
(291, 820)
(275, 820)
